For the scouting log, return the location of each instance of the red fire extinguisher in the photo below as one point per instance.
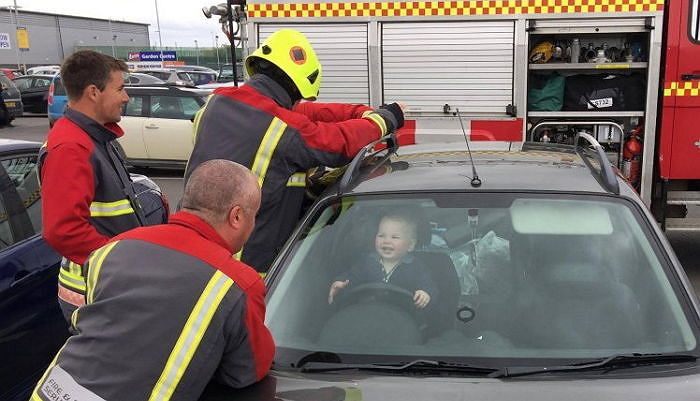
(632, 156)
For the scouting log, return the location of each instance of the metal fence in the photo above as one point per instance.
(204, 56)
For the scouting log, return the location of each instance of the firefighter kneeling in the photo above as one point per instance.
(168, 308)
(264, 126)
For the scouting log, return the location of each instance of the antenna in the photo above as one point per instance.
(476, 181)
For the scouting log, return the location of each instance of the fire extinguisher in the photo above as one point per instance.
(632, 156)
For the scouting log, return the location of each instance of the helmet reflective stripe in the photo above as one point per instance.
(291, 52)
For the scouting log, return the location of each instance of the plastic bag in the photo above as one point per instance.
(484, 266)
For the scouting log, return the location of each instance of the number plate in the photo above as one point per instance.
(10, 104)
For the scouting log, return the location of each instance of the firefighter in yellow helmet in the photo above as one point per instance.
(264, 126)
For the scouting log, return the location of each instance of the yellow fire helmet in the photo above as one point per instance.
(291, 52)
(542, 52)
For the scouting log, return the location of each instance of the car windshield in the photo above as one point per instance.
(525, 277)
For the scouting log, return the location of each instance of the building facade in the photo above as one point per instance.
(53, 37)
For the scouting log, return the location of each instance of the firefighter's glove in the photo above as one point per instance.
(388, 117)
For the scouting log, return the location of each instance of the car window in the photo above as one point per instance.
(201, 78)
(501, 284)
(184, 76)
(23, 174)
(41, 82)
(58, 88)
(23, 83)
(134, 107)
(6, 238)
(174, 107)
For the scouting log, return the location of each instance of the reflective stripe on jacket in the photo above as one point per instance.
(168, 309)
(256, 126)
(85, 191)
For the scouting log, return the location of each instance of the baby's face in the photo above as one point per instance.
(394, 239)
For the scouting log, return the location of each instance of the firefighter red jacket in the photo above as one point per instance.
(256, 126)
(168, 309)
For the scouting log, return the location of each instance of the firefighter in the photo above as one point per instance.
(263, 126)
(168, 307)
(87, 194)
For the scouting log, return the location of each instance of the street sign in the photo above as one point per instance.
(153, 55)
(22, 38)
(5, 41)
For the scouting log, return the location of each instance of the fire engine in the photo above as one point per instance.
(625, 71)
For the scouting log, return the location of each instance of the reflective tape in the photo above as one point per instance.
(682, 89)
(377, 119)
(297, 180)
(71, 281)
(111, 209)
(448, 8)
(263, 156)
(94, 266)
(190, 337)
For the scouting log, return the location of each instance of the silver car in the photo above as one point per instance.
(548, 278)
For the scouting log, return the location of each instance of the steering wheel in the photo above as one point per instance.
(376, 292)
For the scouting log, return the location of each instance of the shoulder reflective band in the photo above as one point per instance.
(267, 149)
(94, 265)
(111, 209)
(190, 337)
(448, 8)
(297, 180)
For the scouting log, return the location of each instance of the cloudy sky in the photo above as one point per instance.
(181, 21)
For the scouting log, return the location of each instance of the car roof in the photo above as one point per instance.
(446, 167)
(16, 145)
(151, 88)
(48, 76)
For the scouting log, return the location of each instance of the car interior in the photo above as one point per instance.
(586, 286)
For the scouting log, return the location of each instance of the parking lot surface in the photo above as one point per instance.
(35, 128)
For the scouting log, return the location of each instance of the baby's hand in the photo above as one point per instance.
(337, 286)
(421, 298)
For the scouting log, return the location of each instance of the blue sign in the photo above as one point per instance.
(168, 55)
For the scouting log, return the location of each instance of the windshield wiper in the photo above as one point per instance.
(616, 361)
(418, 365)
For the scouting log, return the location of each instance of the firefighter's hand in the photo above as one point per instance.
(421, 299)
(335, 287)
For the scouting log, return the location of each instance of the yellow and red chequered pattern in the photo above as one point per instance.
(680, 89)
(448, 8)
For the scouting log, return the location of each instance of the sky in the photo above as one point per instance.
(181, 21)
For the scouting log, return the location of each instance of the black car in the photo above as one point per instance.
(32, 327)
(35, 91)
(12, 98)
(549, 279)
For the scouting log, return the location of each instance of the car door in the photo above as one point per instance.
(37, 94)
(32, 327)
(132, 122)
(168, 133)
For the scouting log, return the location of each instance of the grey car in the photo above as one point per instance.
(549, 280)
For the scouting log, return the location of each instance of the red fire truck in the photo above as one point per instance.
(626, 71)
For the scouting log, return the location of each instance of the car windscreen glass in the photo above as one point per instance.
(10, 90)
(499, 286)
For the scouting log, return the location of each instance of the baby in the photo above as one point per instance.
(392, 263)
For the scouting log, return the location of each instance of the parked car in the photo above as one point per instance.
(158, 126)
(57, 100)
(199, 75)
(11, 73)
(44, 70)
(169, 75)
(550, 279)
(32, 327)
(12, 98)
(137, 78)
(35, 92)
(226, 72)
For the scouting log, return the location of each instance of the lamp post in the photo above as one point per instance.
(16, 17)
(196, 46)
(114, 37)
(160, 38)
(216, 44)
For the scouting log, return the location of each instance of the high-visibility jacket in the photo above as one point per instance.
(86, 193)
(168, 309)
(255, 125)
